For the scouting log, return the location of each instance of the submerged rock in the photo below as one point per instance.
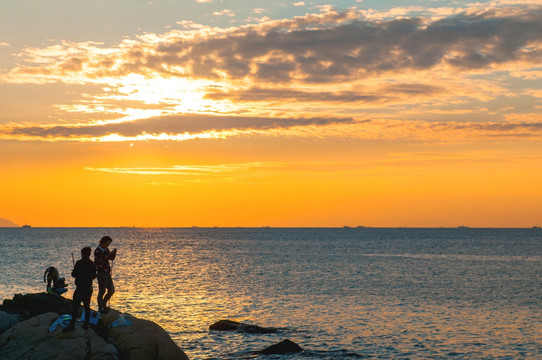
(283, 347)
(136, 339)
(230, 325)
(225, 325)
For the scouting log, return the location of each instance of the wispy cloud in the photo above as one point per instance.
(382, 95)
(189, 170)
(176, 127)
(189, 127)
(224, 12)
(177, 174)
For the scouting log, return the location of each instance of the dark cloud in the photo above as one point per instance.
(333, 51)
(175, 124)
(334, 47)
(412, 89)
(382, 95)
(530, 127)
(262, 94)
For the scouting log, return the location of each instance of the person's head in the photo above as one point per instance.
(85, 252)
(105, 241)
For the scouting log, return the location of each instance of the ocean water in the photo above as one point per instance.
(339, 293)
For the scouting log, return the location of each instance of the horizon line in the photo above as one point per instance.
(272, 227)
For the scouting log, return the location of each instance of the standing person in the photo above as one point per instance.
(102, 255)
(84, 273)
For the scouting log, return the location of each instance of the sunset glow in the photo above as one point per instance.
(402, 113)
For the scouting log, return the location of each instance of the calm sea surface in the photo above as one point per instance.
(338, 293)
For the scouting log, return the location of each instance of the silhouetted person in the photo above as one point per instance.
(84, 273)
(102, 255)
(55, 284)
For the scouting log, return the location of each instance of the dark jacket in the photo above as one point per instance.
(84, 272)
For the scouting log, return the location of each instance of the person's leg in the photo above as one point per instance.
(75, 309)
(102, 282)
(110, 290)
(86, 304)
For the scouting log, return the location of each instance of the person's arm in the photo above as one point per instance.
(113, 254)
(75, 271)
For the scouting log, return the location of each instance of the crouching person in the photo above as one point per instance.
(84, 273)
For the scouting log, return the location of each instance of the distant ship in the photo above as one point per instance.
(26, 226)
(537, 227)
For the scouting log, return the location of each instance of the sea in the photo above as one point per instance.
(339, 293)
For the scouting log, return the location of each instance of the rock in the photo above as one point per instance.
(230, 325)
(7, 321)
(141, 340)
(283, 347)
(30, 305)
(225, 325)
(31, 339)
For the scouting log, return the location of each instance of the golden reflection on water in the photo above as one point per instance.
(185, 292)
(335, 296)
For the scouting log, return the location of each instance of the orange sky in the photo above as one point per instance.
(331, 118)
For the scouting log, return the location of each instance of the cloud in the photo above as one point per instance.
(203, 1)
(224, 12)
(190, 170)
(300, 3)
(3, 43)
(384, 94)
(316, 48)
(176, 127)
(197, 126)
(173, 86)
(534, 93)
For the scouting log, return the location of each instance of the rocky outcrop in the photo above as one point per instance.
(141, 340)
(7, 321)
(230, 325)
(284, 347)
(30, 339)
(30, 305)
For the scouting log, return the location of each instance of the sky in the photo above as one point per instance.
(408, 113)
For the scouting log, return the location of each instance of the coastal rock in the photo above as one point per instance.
(230, 325)
(140, 340)
(225, 325)
(283, 347)
(30, 305)
(7, 321)
(31, 339)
